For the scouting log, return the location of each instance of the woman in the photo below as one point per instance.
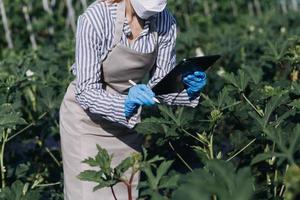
(116, 41)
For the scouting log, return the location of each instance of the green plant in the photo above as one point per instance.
(217, 180)
(292, 182)
(19, 191)
(248, 114)
(108, 176)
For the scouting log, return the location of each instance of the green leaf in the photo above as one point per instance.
(104, 184)
(296, 88)
(185, 116)
(223, 99)
(257, 119)
(270, 91)
(9, 118)
(231, 78)
(104, 160)
(240, 81)
(261, 157)
(163, 169)
(92, 162)
(292, 182)
(167, 112)
(287, 141)
(191, 192)
(222, 171)
(150, 178)
(218, 178)
(151, 126)
(255, 74)
(21, 170)
(19, 191)
(294, 140)
(274, 103)
(49, 98)
(285, 116)
(169, 182)
(243, 80)
(91, 175)
(295, 103)
(155, 196)
(124, 166)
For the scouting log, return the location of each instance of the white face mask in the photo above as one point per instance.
(147, 8)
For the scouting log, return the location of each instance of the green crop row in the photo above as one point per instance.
(242, 141)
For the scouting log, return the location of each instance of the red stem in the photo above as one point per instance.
(113, 192)
(131, 178)
(129, 191)
(129, 185)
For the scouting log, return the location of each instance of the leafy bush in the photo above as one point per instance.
(241, 142)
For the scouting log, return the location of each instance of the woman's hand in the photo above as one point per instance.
(138, 95)
(195, 82)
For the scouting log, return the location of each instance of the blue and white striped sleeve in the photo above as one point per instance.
(89, 93)
(166, 60)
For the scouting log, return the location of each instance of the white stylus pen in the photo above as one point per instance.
(154, 99)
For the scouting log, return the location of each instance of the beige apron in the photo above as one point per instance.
(81, 130)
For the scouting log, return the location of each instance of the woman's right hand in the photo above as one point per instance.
(138, 95)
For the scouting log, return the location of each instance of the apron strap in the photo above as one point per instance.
(119, 23)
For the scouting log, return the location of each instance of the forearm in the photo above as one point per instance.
(181, 98)
(106, 105)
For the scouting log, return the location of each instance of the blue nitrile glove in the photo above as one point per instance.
(195, 82)
(138, 95)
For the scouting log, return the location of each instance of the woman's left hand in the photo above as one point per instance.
(195, 82)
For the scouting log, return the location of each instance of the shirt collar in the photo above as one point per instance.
(128, 32)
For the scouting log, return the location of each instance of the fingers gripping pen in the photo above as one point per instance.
(154, 99)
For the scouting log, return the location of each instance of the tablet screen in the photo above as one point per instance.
(171, 83)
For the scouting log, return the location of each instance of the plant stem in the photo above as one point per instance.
(251, 104)
(25, 10)
(232, 105)
(131, 177)
(214, 197)
(204, 120)
(129, 187)
(194, 137)
(281, 193)
(179, 156)
(240, 151)
(211, 149)
(53, 157)
(113, 192)
(5, 25)
(21, 131)
(71, 15)
(48, 184)
(275, 182)
(129, 192)
(4, 140)
(27, 127)
(129, 184)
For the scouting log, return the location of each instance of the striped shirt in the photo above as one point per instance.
(94, 37)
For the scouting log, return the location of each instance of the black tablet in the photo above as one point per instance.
(171, 83)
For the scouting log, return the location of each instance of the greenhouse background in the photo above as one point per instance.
(241, 142)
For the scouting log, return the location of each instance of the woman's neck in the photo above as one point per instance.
(131, 15)
(135, 22)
